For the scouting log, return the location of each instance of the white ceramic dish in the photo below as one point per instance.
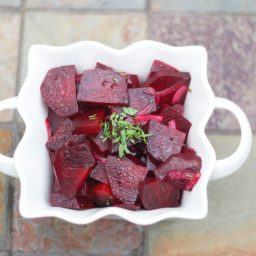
(31, 162)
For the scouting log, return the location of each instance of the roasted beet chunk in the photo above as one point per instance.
(133, 81)
(102, 195)
(169, 113)
(72, 166)
(131, 207)
(89, 122)
(151, 163)
(124, 177)
(183, 161)
(100, 145)
(164, 141)
(60, 200)
(163, 79)
(103, 66)
(54, 120)
(185, 180)
(59, 90)
(143, 100)
(156, 194)
(99, 173)
(103, 87)
(159, 65)
(61, 136)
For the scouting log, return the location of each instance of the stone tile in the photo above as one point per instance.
(9, 44)
(4, 253)
(5, 195)
(242, 6)
(231, 44)
(89, 4)
(56, 237)
(116, 30)
(10, 3)
(229, 228)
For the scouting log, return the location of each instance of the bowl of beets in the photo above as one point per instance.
(117, 140)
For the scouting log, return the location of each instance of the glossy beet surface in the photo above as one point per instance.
(115, 140)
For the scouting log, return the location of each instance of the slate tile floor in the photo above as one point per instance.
(228, 30)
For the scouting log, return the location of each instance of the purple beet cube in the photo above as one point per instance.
(143, 100)
(103, 87)
(164, 141)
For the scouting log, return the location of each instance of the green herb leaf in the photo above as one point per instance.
(121, 150)
(130, 111)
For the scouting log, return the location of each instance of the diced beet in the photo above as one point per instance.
(131, 207)
(52, 155)
(72, 166)
(166, 96)
(61, 136)
(56, 187)
(60, 200)
(85, 202)
(89, 122)
(172, 124)
(78, 78)
(143, 119)
(97, 141)
(135, 160)
(103, 66)
(59, 90)
(103, 87)
(116, 109)
(178, 108)
(186, 149)
(151, 163)
(159, 65)
(133, 81)
(139, 150)
(168, 114)
(77, 139)
(163, 79)
(102, 195)
(185, 180)
(155, 194)
(99, 173)
(143, 100)
(55, 120)
(180, 95)
(183, 161)
(164, 141)
(48, 127)
(124, 177)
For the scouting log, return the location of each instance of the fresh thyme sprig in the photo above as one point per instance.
(123, 132)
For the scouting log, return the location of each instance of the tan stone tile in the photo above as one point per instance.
(9, 44)
(5, 141)
(229, 228)
(10, 3)
(90, 4)
(116, 30)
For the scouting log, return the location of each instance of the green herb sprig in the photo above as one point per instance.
(123, 132)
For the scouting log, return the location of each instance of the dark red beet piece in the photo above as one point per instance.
(103, 66)
(186, 149)
(183, 161)
(56, 187)
(99, 173)
(102, 195)
(168, 114)
(164, 141)
(124, 177)
(133, 81)
(72, 166)
(59, 90)
(159, 65)
(60, 200)
(143, 100)
(131, 207)
(103, 87)
(55, 120)
(48, 127)
(178, 108)
(151, 163)
(61, 136)
(155, 194)
(163, 79)
(180, 95)
(89, 122)
(185, 180)
(143, 119)
(116, 109)
(100, 145)
(85, 202)
(78, 78)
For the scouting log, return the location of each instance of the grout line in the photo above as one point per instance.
(145, 242)
(147, 13)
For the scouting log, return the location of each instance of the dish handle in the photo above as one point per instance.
(7, 163)
(229, 165)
